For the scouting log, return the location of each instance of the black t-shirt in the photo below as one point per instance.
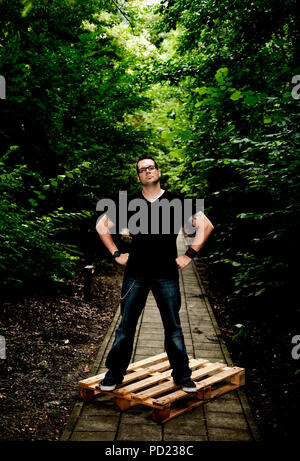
(154, 227)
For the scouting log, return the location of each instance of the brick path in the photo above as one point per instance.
(227, 418)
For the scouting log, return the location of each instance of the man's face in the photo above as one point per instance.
(146, 175)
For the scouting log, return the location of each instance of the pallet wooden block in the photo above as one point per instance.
(149, 382)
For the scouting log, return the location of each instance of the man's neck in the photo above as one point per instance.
(152, 192)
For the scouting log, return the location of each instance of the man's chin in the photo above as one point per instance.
(150, 181)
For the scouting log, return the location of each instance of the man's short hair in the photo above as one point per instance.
(145, 157)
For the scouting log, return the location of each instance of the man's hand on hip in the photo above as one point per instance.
(122, 259)
(183, 261)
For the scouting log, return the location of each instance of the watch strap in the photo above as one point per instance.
(191, 253)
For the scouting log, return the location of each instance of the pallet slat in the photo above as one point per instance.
(133, 366)
(155, 378)
(203, 384)
(170, 386)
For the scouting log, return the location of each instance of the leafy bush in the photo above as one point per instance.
(29, 250)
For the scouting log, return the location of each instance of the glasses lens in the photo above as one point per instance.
(150, 168)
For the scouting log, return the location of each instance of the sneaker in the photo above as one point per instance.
(188, 386)
(108, 384)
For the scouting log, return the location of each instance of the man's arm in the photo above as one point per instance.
(103, 228)
(205, 227)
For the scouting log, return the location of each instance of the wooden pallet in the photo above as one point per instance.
(149, 382)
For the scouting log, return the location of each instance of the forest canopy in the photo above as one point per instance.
(204, 86)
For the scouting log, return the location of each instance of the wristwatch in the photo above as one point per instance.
(191, 253)
(116, 254)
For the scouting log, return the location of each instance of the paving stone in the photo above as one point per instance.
(191, 423)
(197, 311)
(210, 338)
(204, 328)
(148, 330)
(207, 354)
(232, 395)
(174, 437)
(187, 339)
(144, 416)
(158, 331)
(199, 320)
(185, 327)
(141, 432)
(228, 435)
(154, 342)
(93, 436)
(189, 349)
(193, 293)
(212, 359)
(99, 407)
(149, 351)
(227, 420)
(138, 357)
(184, 320)
(204, 335)
(231, 405)
(206, 346)
(153, 323)
(101, 370)
(98, 423)
(150, 337)
(186, 330)
(196, 306)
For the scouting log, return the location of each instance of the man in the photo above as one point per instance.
(151, 265)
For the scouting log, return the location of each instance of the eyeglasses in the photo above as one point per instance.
(150, 168)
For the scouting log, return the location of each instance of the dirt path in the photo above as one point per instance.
(51, 342)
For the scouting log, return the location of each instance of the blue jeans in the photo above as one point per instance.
(133, 299)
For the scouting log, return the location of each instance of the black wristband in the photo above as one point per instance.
(191, 253)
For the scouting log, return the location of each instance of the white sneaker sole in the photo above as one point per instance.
(107, 388)
(189, 390)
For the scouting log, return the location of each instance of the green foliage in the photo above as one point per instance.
(240, 333)
(29, 251)
(65, 135)
(233, 68)
(204, 86)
